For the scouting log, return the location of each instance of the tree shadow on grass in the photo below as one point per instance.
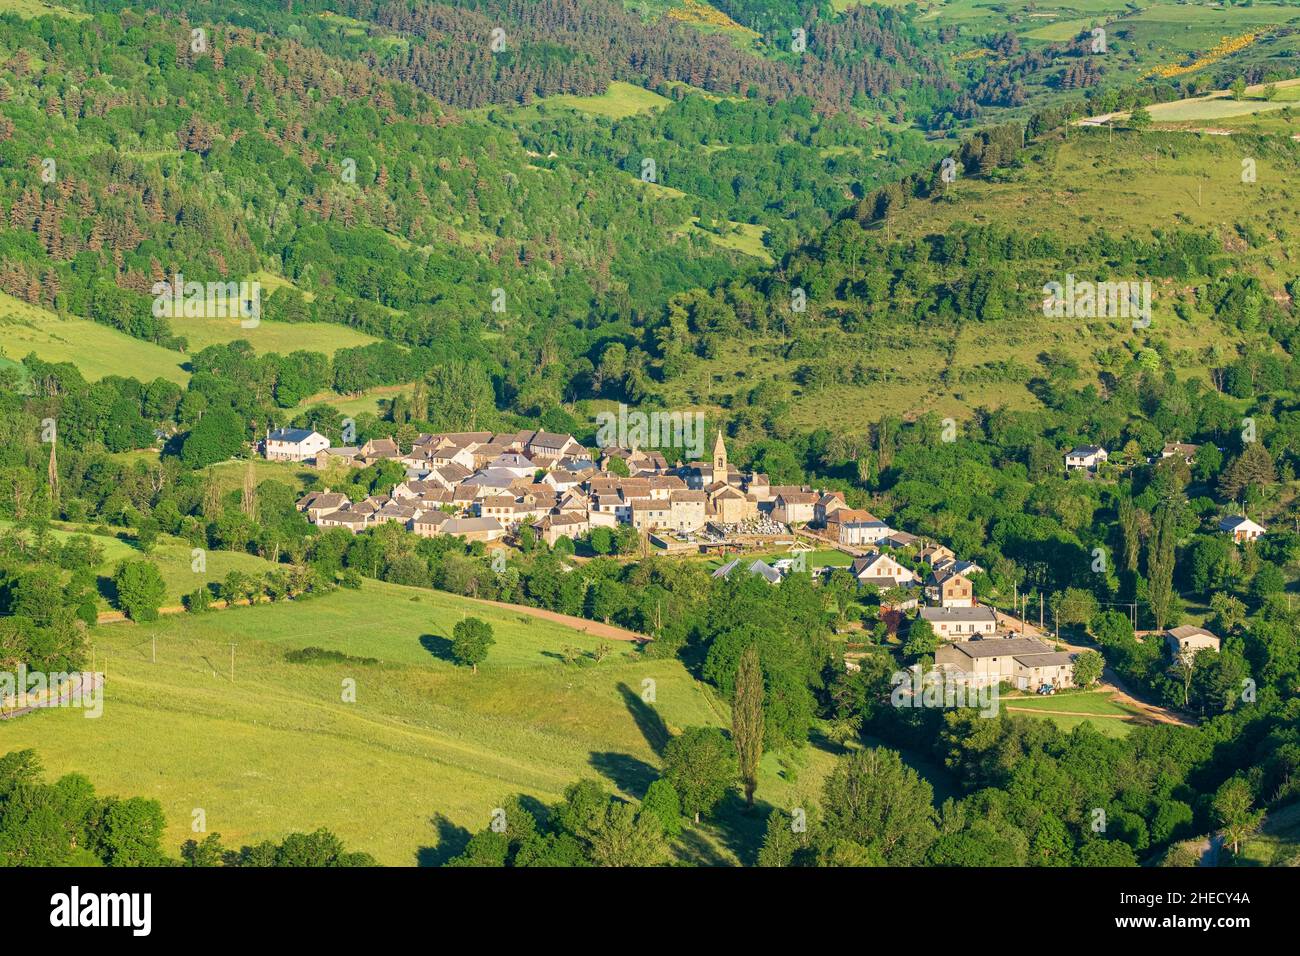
(438, 646)
(107, 589)
(741, 828)
(452, 840)
(541, 812)
(693, 848)
(818, 740)
(626, 772)
(648, 721)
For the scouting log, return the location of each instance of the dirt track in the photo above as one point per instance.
(594, 628)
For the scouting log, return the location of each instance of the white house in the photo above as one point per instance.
(1025, 662)
(852, 526)
(1186, 640)
(294, 444)
(1085, 458)
(882, 570)
(1241, 528)
(961, 623)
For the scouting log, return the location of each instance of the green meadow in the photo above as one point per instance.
(420, 757)
(372, 401)
(267, 337)
(618, 101)
(1278, 841)
(39, 8)
(98, 350)
(746, 238)
(95, 349)
(1115, 719)
(183, 571)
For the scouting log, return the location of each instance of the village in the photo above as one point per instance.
(484, 487)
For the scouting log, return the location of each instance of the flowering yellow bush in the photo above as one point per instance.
(1226, 47)
(695, 11)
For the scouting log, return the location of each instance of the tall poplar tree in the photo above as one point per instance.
(1160, 565)
(747, 719)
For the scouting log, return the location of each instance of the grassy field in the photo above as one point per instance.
(1059, 31)
(1277, 842)
(1076, 704)
(39, 8)
(95, 349)
(229, 475)
(748, 238)
(267, 337)
(618, 101)
(371, 401)
(1089, 702)
(1120, 181)
(1268, 123)
(175, 559)
(421, 757)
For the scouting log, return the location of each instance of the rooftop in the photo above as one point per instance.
(1002, 646)
(979, 613)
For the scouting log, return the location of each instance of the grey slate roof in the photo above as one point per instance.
(294, 435)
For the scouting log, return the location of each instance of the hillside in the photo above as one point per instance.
(1081, 194)
(825, 233)
(97, 350)
(277, 749)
